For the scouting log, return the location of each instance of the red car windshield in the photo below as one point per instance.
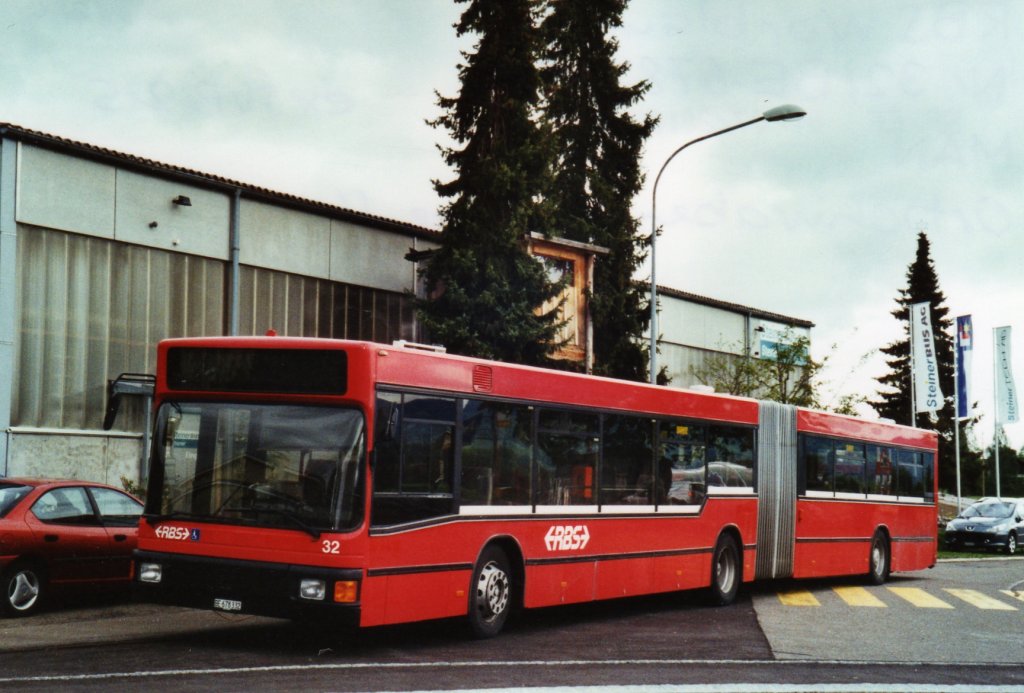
(10, 494)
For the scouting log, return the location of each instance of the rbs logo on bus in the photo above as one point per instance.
(567, 537)
(177, 533)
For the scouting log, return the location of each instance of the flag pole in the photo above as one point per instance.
(956, 410)
(995, 392)
(913, 379)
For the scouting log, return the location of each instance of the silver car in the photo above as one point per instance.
(991, 523)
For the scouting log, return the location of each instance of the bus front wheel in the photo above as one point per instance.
(490, 600)
(725, 571)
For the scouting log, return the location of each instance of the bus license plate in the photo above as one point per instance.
(227, 605)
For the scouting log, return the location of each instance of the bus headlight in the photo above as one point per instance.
(313, 589)
(151, 572)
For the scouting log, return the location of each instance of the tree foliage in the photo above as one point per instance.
(895, 393)
(789, 377)
(730, 374)
(483, 287)
(1011, 471)
(596, 171)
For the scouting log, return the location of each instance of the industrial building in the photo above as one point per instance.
(103, 254)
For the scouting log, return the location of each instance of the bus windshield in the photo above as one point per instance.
(267, 465)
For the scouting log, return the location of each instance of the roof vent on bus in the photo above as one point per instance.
(436, 348)
(483, 378)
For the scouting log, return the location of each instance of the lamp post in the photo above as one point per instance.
(787, 112)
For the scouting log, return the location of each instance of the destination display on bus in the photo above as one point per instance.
(287, 371)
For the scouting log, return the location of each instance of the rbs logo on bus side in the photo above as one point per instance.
(567, 537)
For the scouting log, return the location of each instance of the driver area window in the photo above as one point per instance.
(414, 457)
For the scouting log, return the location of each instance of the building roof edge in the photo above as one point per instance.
(733, 307)
(208, 180)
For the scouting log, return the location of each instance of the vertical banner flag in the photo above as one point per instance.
(926, 365)
(1007, 406)
(964, 349)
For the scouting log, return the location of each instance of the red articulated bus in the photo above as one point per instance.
(370, 484)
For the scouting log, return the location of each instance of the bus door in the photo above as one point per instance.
(776, 490)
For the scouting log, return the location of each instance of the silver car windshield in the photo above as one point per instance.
(269, 465)
(993, 509)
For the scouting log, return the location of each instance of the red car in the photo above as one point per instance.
(63, 535)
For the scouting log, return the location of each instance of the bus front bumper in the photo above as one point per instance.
(249, 587)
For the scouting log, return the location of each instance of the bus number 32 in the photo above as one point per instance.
(331, 546)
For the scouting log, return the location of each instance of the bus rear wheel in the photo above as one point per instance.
(878, 570)
(490, 600)
(725, 571)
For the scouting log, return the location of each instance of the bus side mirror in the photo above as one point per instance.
(126, 384)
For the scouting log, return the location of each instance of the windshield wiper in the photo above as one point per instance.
(295, 519)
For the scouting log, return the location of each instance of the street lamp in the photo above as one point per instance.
(787, 112)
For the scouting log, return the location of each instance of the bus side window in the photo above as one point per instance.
(387, 444)
(414, 458)
(496, 448)
(683, 475)
(879, 470)
(626, 462)
(817, 464)
(730, 456)
(849, 467)
(566, 454)
(910, 474)
(928, 469)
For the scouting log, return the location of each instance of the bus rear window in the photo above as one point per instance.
(290, 371)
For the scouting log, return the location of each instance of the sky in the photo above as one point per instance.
(913, 124)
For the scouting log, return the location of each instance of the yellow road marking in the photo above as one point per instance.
(918, 597)
(798, 598)
(980, 600)
(1014, 593)
(858, 596)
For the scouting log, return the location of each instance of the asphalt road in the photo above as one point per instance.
(773, 636)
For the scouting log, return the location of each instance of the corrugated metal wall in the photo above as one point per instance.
(90, 309)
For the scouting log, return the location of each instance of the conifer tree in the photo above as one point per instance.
(597, 169)
(483, 287)
(895, 395)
